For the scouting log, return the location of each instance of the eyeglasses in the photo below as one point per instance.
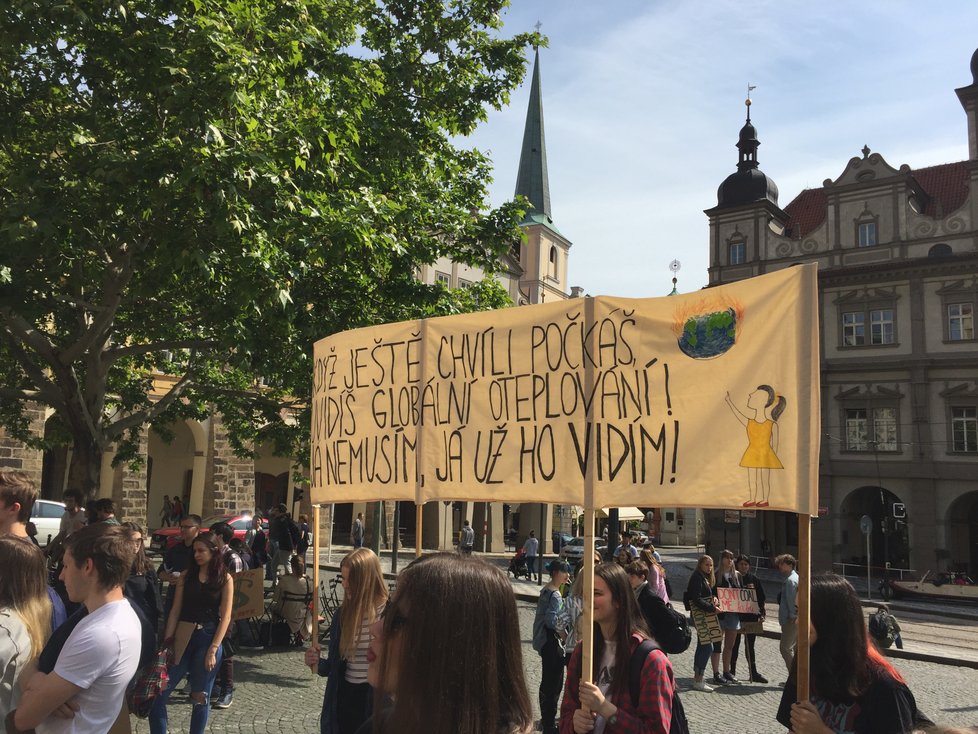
(392, 619)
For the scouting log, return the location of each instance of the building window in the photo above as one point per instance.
(960, 321)
(738, 253)
(444, 278)
(462, 283)
(867, 234)
(853, 328)
(553, 262)
(881, 326)
(868, 429)
(964, 429)
(857, 436)
(868, 319)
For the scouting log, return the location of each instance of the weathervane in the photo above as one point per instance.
(674, 267)
(750, 88)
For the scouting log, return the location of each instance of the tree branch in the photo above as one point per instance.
(111, 355)
(17, 333)
(117, 428)
(116, 279)
(37, 396)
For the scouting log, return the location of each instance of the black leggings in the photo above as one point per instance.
(551, 684)
(352, 705)
(749, 652)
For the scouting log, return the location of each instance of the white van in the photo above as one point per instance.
(46, 516)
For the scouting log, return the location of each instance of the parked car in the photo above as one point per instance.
(573, 551)
(46, 516)
(560, 540)
(165, 538)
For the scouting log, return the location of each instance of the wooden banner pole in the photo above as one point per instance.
(587, 613)
(329, 543)
(804, 605)
(315, 579)
(418, 512)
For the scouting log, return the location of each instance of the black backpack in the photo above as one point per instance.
(669, 628)
(679, 724)
(880, 628)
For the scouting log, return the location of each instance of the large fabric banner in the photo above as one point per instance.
(707, 399)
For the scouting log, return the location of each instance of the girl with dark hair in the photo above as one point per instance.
(853, 687)
(142, 587)
(701, 595)
(197, 624)
(447, 652)
(618, 630)
(762, 441)
(348, 699)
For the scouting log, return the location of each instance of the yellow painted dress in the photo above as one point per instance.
(759, 454)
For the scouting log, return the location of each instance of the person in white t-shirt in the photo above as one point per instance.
(84, 693)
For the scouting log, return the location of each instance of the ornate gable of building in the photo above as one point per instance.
(871, 167)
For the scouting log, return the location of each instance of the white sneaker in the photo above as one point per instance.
(702, 685)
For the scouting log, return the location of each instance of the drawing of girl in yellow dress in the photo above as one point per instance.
(762, 441)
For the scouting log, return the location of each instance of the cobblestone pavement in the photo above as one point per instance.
(276, 693)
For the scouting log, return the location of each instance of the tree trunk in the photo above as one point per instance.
(85, 471)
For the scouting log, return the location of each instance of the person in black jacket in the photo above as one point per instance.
(702, 597)
(750, 581)
(648, 601)
(142, 587)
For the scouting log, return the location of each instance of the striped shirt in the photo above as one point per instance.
(356, 665)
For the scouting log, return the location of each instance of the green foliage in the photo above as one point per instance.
(205, 187)
(719, 321)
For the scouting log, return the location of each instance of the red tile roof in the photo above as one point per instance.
(805, 212)
(946, 185)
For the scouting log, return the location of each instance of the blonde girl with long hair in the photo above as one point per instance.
(348, 700)
(701, 594)
(25, 614)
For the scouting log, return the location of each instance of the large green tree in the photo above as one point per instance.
(203, 188)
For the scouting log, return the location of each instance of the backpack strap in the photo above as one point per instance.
(635, 665)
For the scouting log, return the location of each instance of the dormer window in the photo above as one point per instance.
(867, 234)
(738, 253)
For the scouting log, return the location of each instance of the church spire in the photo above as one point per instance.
(532, 180)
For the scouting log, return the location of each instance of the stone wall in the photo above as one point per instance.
(230, 485)
(15, 455)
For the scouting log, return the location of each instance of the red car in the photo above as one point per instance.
(165, 538)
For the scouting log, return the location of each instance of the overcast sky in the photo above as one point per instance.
(643, 101)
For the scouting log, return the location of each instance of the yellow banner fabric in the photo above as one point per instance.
(708, 399)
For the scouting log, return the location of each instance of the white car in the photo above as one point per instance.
(573, 551)
(46, 516)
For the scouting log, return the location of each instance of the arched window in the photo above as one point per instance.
(553, 262)
(940, 250)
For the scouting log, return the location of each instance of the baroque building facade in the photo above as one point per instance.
(897, 250)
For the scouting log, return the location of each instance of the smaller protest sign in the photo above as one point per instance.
(742, 601)
(249, 594)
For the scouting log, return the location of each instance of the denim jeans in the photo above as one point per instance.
(701, 657)
(201, 680)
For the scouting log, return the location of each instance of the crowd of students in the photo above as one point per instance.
(393, 663)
